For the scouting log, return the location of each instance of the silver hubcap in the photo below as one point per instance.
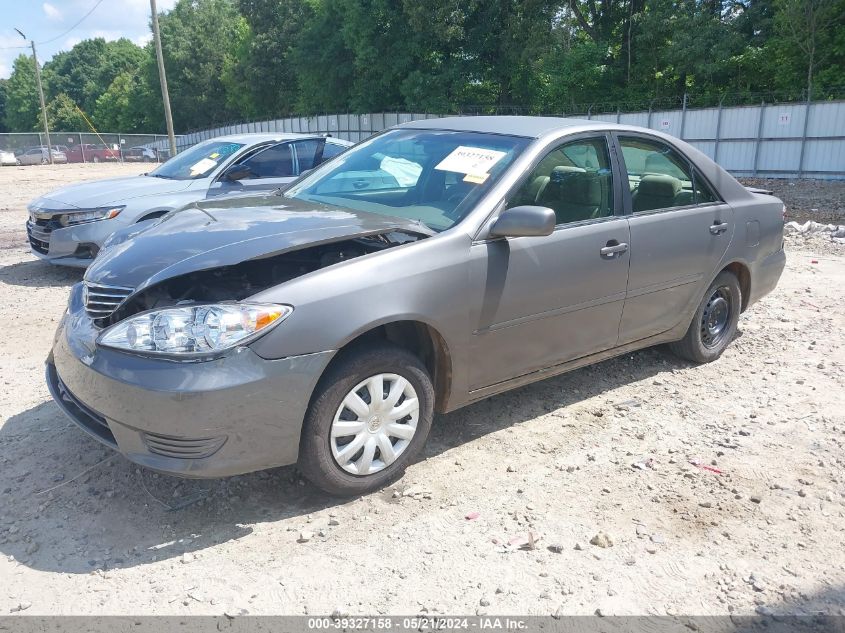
(374, 424)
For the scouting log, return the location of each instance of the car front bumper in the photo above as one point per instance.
(236, 414)
(69, 246)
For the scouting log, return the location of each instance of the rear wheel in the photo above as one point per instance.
(370, 417)
(715, 321)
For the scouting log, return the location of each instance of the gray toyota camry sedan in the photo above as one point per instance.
(433, 265)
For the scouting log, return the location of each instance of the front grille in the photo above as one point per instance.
(101, 301)
(38, 233)
(183, 447)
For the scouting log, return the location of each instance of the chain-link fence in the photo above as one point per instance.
(87, 147)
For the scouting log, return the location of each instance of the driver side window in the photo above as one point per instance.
(574, 180)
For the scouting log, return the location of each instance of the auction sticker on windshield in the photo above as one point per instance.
(475, 161)
(202, 166)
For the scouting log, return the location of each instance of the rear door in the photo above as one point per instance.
(542, 301)
(680, 231)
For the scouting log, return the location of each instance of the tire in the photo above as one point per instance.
(96, 159)
(318, 449)
(44, 161)
(714, 323)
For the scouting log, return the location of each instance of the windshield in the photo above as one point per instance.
(198, 161)
(433, 176)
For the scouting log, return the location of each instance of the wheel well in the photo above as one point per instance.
(420, 339)
(744, 276)
(152, 216)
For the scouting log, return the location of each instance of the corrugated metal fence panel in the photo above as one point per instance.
(634, 118)
(737, 156)
(771, 139)
(701, 124)
(827, 119)
(740, 122)
(820, 155)
(781, 121)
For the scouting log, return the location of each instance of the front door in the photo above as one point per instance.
(680, 231)
(541, 301)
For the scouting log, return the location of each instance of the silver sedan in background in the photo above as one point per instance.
(39, 156)
(69, 225)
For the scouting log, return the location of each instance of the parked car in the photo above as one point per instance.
(39, 156)
(139, 155)
(8, 158)
(92, 153)
(68, 226)
(323, 325)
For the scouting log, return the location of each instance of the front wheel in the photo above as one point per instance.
(715, 321)
(370, 417)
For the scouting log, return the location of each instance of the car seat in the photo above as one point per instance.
(656, 191)
(573, 193)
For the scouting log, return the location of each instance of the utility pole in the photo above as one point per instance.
(40, 97)
(165, 96)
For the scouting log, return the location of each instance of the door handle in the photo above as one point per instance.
(718, 228)
(613, 249)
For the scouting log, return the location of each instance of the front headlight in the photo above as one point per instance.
(89, 215)
(193, 330)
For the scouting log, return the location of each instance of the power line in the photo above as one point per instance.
(96, 4)
(53, 39)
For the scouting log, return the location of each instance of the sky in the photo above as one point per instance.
(43, 21)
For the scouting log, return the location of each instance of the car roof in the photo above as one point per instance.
(525, 126)
(260, 137)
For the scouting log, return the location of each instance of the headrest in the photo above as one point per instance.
(563, 172)
(659, 186)
(657, 163)
(576, 186)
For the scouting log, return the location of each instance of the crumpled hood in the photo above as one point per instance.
(98, 193)
(208, 235)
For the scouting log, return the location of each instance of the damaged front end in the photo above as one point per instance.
(239, 281)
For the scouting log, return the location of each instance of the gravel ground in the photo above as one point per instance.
(647, 485)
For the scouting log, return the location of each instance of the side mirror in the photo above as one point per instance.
(524, 221)
(233, 173)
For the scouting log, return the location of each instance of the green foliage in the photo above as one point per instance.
(22, 106)
(3, 98)
(86, 71)
(62, 114)
(252, 59)
(196, 37)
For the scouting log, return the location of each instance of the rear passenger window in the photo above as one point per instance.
(574, 180)
(659, 178)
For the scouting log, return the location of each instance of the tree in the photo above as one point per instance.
(63, 115)
(86, 71)
(22, 106)
(263, 50)
(809, 24)
(3, 93)
(128, 106)
(196, 37)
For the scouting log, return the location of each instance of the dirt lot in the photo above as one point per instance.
(758, 524)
